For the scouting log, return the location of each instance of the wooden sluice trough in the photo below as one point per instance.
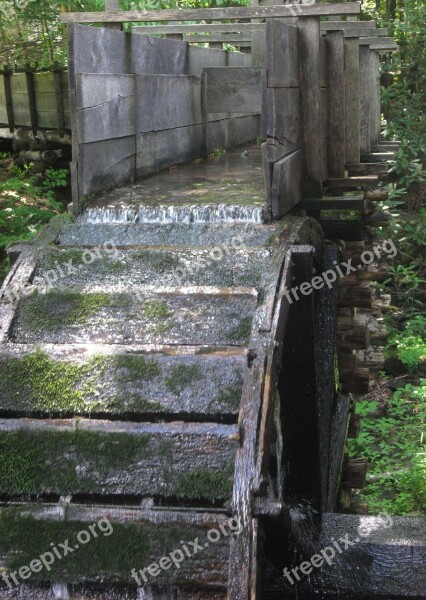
(160, 387)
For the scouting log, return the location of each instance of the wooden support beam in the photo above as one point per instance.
(364, 68)
(60, 100)
(235, 39)
(333, 25)
(356, 202)
(213, 14)
(111, 5)
(199, 28)
(32, 102)
(7, 74)
(375, 105)
(378, 41)
(352, 101)
(336, 103)
(310, 92)
(367, 168)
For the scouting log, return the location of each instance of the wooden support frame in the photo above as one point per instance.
(57, 74)
(336, 103)
(213, 14)
(32, 102)
(352, 101)
(310, 92)
(7, 74)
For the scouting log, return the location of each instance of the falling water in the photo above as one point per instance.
(60, 591)
(168, 213)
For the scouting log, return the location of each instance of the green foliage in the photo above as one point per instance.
(55, 178)
(394, 445)
(409, 345)
(23, 211)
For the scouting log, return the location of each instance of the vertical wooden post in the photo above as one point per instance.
(352, 100)
(7, 74)
(204, 115)
(336, 103)
(112, 5)
(364, 62)
(60, 110)
(32, 103)
(375, 109)
(310, 92)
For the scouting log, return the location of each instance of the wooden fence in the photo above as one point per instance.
(34, 99)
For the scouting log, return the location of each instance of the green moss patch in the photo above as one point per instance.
(136, 367)
(156, 309)
(135, 545)
(231, 395)
(202, 483)
(242, 331)
(65, 462)
(181, 377)
(56, 309)
(36, 382)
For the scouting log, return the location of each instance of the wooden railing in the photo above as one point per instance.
(35, 99)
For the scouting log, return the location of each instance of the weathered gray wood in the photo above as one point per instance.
(384, 541)
(106, 106)
(112, 5)
(146, 470)
(324, 109)
(236, 39)
(167, 102)
(258, 48)
(384, 47)
(162, 149)
(283, 120)
(310, 85)
(364, 71)
(32, 102)
(240, 59)
(106, 164)
(282, 54)
(333, 25)
(160, 530)
(156, 56)
(61, 94)
(349, 202)
(352, 101)
(365, 168)
(178, 28)
(375, 107)
(286, 184)
(234, 89)
(338, 433)
(336, 104)
(199, 28)
(323, 62)
(213, 14)
(7, 76)
(378, 41)
(200, 58)
(96, 50)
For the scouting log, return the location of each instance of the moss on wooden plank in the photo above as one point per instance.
(110, 557)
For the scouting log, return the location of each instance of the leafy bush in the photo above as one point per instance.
(394, 446)
(23, 210)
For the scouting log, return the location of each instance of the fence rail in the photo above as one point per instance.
(36, 99)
